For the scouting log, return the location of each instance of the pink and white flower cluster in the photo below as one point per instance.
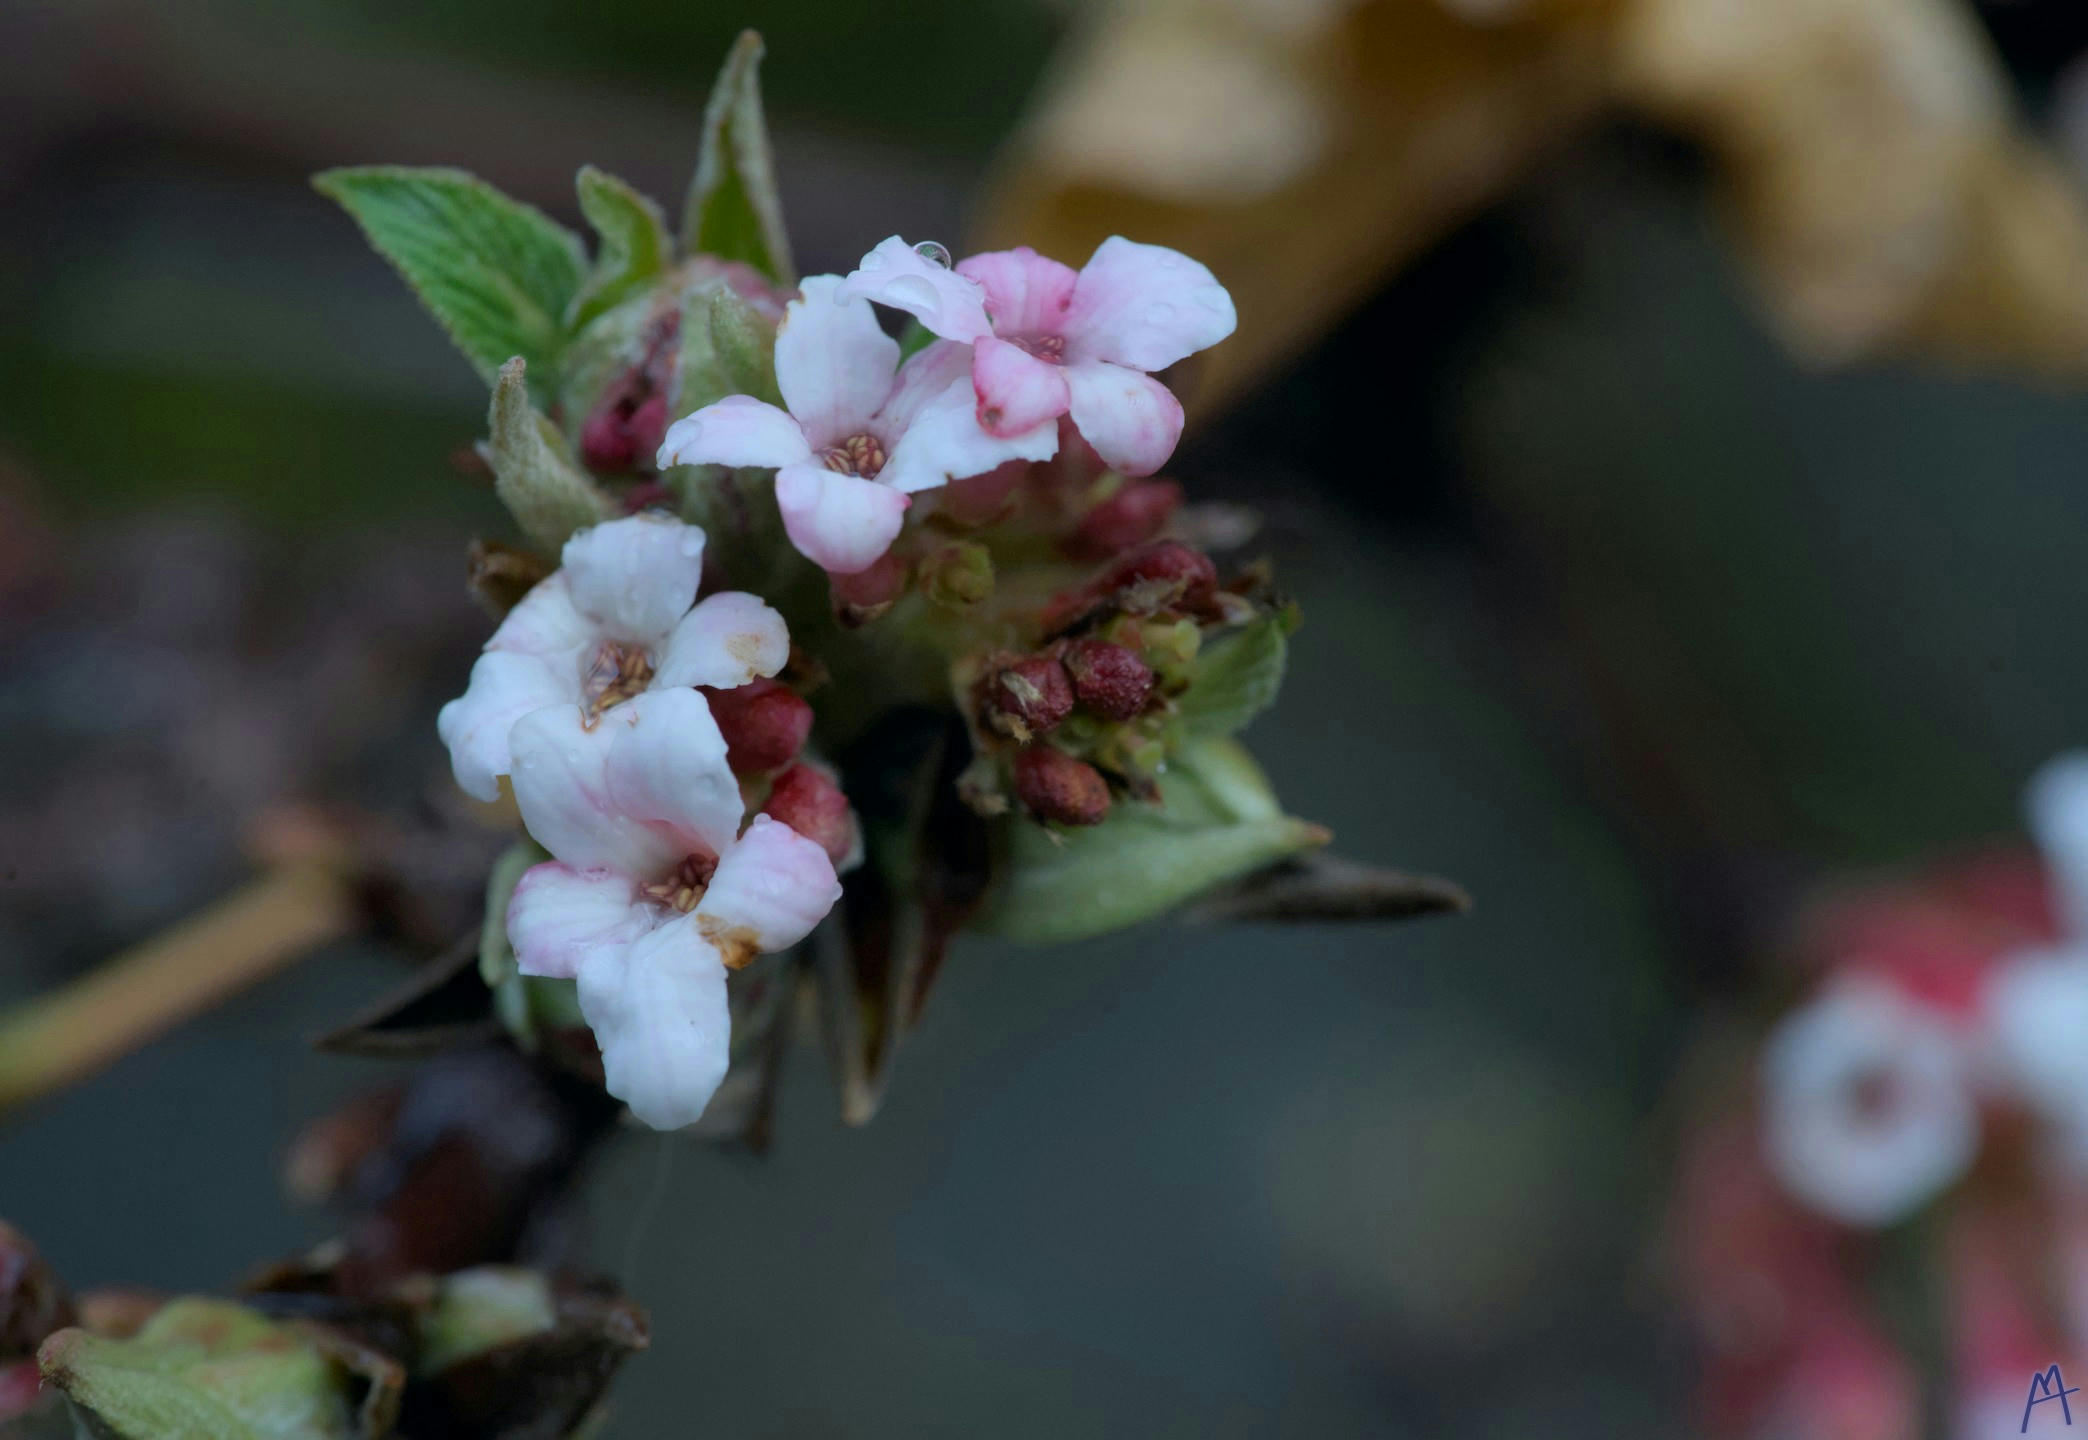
(1948, 1008)
(1023, 343)
(585, 701)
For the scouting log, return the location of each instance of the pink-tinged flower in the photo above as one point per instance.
(655, 892)
(862, 432)
(1867, 1106)
(1047, 341)
(612, 623)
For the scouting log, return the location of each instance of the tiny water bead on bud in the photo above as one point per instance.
(1108, 679)
(765, 724)
(1027, 697)
(1132, 516)
(806, 799)
(1056, 787)
(959, 575)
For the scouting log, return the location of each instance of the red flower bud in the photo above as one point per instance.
(1055, 786)
(1171, 571)
(1130, 517)
(982, 499)
(624, 430)
(806, 799)
(764, 723)
(1109, 679)
(862, 597)
(1029, 697)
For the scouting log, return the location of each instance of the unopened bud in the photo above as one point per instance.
(1055, 786)
(1130, 517)
(983, 499)
(806, 799)
(1108, 679)
(624, 430)
(1163, 575)
(958, 575)
(765, 724)
(1029, 697)
(867, 594)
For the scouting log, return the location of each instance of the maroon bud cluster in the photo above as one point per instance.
(806, 799)
(765, 723)
(1165, 575)
(1028, 697)
(1108, 679)
(1132, 516)
(1056, 787)
(624, 430)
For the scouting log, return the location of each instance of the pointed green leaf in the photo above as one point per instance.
(497, 274)
(1217, 820)
(534, 474)
(202, 1370)
(1237, 677)
(635, 249)
(728, 348)
(733, 211)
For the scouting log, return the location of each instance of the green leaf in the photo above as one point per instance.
(202, 1370)
(1217, 820)
(1237, 677)
(498, 274)
(915, 338)
(728, 348)
(534, 474)
(635, 244)
(733, 211)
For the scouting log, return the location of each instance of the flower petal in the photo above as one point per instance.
(945, 442)
(558, 916)
(1026, 293)
(546, 623)
(636, 576)
(1015, 390)
(1132, 420)
(840, 522)
(1145, 306)
(505, 686)
(667, 770)
(561, 782)
(2057, 803)
(769, 891)
(738, 430)
(924, 376)
(727, 640)
(834, 364)
(659, 1012)
(897, 275)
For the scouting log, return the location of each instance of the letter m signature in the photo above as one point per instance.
(2050, 1385)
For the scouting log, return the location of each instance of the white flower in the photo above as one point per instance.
(655, 892)
(612, 623)
(862, 432)
(2057, 805)
(1867, 1107)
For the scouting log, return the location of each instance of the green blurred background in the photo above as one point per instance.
(1613, 614)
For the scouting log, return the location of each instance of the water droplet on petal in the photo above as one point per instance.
(933, 253)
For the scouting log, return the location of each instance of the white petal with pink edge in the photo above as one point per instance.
(561, 783)
(558, 916)
(1131, 419)
(658, 1010)
(945, 442)
(738, 430)
(896, 274)
(839, 522)
(728, 640)
(1015, 391)
(636, 576)
(505, 686)
(1145, 306)
(770, 889)
(834, 364)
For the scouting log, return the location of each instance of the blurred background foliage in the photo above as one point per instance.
(1615, 612)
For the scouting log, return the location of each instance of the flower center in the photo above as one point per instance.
(617, 673)
(859, 455)
(684, 888)
(1050, 348)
